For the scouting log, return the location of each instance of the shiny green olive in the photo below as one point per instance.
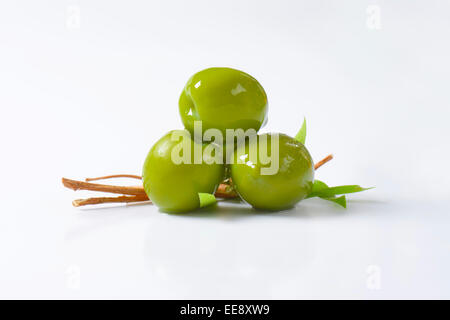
(172, 185)
(223, 98)
(288, 185)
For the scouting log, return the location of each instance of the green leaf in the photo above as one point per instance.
(318, 186)
(301, 135)
(342, 201)
(323, 191)
(333, 191)
(206, 199)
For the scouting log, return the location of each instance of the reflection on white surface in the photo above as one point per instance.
(316, 250)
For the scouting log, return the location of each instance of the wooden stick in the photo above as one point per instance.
(221, 192)
(137, 192)
(81, 185)
(323, 161)
(115, 176)
(121, 199)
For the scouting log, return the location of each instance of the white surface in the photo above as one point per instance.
(90, 99)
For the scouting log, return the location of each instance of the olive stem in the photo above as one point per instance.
(132, 176)
(323, 161)
(129, 193)
(99, 200)
(81, 185)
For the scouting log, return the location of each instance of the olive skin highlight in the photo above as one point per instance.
(175, 187)
(290, 184)
(223, 98)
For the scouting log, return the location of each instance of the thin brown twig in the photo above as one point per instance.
(81, 185)
(135, 193)
(99, 200)
(323, 161)
(132, 176)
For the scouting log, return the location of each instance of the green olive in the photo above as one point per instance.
(291, 183)
(175, 187)
(223, 98)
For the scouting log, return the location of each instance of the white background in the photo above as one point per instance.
(86, 88)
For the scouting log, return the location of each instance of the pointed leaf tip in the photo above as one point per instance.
(342, 201)
(301, 134)
(206, 199)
